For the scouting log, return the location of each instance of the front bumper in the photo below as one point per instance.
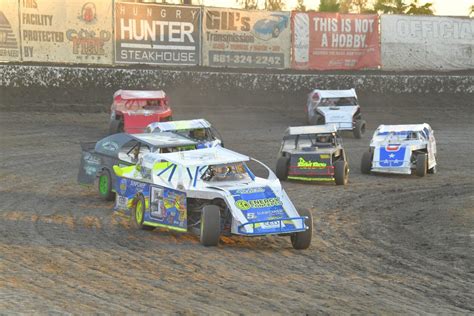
(272, 227)
(394, 170)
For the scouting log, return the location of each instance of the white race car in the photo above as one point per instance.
(199, 130)
(210, 191)
(401, 149)
(336, 107)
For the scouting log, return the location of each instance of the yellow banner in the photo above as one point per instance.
(72, 31)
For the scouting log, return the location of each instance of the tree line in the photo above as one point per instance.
(412, 7)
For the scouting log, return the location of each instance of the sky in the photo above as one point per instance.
(442, 7)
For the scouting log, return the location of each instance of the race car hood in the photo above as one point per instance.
(261, 209)
(338, 114)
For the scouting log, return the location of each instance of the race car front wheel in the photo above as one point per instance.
(282, 168)
(366, 162)
(302, 240)
(210, 225)
(138, 214)
(105, 186)
(341, 172)
(421, 164)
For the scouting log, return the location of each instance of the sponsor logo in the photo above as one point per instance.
(242, 204)
(88, 12)
(260, 203)
(249, 191)
(310, 164)
(110, 146)
(123, 186)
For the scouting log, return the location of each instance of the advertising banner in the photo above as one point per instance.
(327, 41)
(427, 43)
(246, 39)
(74, 31)
(157, 34)
(9, 37)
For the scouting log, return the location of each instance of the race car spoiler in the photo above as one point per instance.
(278, 226)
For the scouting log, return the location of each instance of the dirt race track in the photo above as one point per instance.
(381, 244)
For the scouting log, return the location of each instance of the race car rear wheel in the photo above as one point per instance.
(105, 186)
(282, 168)
(341, 172)
(421, 164)
(210, 225)
(366, 162)
(138, 214)
(302, 240)
(359, 129)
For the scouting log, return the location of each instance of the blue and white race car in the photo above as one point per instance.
(199, 130)
(210, 191)
(271, 27)
(401, 149)
(336, 107)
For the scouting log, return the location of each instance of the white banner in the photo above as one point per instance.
(427, 43)
(9, 37)
(246, 39)
(75, 31)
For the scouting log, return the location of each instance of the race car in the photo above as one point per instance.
(123, 149)
(338, 107)
(401, 149)
(199, 130)
(270, 27)
(210, 191)
(133, 110)
(313, 153)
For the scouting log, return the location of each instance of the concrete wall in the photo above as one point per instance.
(18, 76)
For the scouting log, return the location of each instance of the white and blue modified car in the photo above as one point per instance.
(210, 191)
(336, 107)
(198, 130)
(401, 149)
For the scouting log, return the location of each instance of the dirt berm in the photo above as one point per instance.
(381, 244)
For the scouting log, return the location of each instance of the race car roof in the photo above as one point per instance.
(336, 93)
(312, 129)
(163, 139)
(178, 125)
(402, 127)
(140, 94)
(200, 157)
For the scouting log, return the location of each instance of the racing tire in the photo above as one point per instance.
(282, 168)
(316, 119)
(341, 172)
(302, 240)
(115, 126)
(104, 186)
(359, 129)
(421, 164)
(210, 225)
(138, 214)
(366, 162)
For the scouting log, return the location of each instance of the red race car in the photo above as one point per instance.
(133, 110)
